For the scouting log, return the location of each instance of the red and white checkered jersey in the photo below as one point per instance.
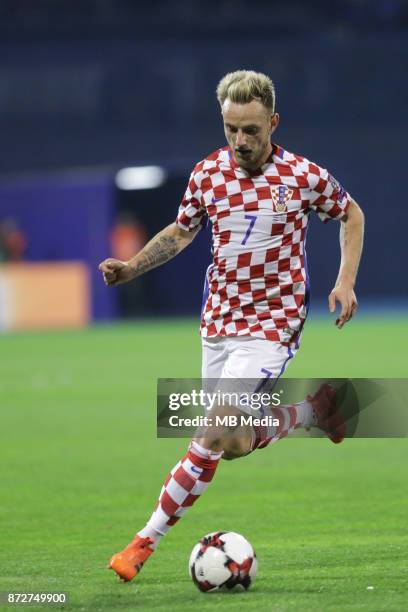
(257, 284)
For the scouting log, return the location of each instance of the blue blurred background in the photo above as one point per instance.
(89, 88)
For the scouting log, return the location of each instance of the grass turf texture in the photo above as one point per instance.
(82, 469)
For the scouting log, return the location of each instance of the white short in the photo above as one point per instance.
(244, 357)
(252, 363)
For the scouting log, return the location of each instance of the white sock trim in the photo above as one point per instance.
(305, 413)
(206, 453)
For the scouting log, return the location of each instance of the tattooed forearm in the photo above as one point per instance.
(163, 247)
(155, 253)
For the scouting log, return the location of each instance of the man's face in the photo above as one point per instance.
(248, 129)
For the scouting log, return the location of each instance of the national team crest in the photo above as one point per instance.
(280, 196)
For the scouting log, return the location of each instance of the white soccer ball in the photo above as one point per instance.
(223, 560)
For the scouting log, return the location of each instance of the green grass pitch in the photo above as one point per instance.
(82, 468)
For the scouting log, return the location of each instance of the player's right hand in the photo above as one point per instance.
(116, 272)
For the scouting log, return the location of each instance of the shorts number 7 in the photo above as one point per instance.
(252, 219)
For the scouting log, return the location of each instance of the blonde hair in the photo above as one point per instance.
(243, 86)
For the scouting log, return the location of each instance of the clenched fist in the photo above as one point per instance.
(116, 272)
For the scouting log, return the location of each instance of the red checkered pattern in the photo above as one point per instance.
(257, 284)
(289, 419)
(182, 487)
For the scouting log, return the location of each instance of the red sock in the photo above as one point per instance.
(181, 489)
(289, 417)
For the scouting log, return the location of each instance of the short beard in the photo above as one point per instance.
(254, 165)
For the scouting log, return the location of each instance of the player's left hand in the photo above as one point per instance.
(344, 294)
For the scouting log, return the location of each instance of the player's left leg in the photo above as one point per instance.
(189, 479)
(253, 368)
(320, 411)
(252, 364)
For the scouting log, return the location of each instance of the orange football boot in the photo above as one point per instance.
(328, 416)
(128, 563)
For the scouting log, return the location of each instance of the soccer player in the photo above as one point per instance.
(258, 197)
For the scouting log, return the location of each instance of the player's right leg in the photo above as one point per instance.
(225, 360)
(191, 476)
(185, 483)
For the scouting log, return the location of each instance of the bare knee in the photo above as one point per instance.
(233, 442)
(228, 456)
(235, 447)
(231, 445)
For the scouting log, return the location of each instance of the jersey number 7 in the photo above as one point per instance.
(252, 219)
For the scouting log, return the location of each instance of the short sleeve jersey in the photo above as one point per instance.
(257, 284)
